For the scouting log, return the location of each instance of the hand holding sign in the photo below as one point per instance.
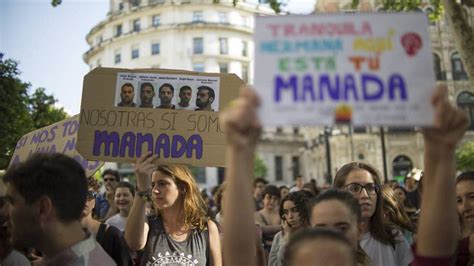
(144, 168)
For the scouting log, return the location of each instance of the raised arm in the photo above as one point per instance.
(438, 222)
(136, 229)
(242, 129)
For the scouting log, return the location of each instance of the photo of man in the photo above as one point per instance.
(205, 98)
(127, 93)
(147, 93)
(166, 93)
(185, 94)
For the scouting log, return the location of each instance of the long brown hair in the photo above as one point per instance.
(378, 228)
(194, 207)
(394, 211)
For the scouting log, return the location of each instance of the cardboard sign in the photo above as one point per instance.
(59, 137)
(368, 69)
(173, 113)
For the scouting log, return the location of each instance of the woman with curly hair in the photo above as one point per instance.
(179, 231)
(294, 216)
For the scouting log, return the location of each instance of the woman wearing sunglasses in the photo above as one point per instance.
(384, 244)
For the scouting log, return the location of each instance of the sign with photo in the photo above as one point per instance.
(172, 113)
(59, 137)
(366, 68)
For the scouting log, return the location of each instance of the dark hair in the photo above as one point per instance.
(304, 236)
(209, 89)
(283, 187)
(184, 88)
(146, 84)
(465, 176)
(126, 185)
(311, 186)
(127, 85)
(166, 85)
(377, 226)
(272, 191)
(300, 200)
(259, 180)
(54, 175)
(342, 196)
(394, 211)
(112, 172)
(407, 202)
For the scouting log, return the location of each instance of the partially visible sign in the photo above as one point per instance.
(172, 113)
(59, 137)
(368, 69)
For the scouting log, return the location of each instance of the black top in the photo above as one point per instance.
(112, 241)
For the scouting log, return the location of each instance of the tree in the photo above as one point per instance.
(21, 113)
(463, 33)
(259, 167)
(465, 157)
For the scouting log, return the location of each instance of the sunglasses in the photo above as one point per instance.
(91, 195)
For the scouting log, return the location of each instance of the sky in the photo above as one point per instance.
(49, 42)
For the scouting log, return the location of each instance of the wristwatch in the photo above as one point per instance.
(144, 194)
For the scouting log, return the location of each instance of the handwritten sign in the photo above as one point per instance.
(59, 137)
(117, 127)
(368, 69)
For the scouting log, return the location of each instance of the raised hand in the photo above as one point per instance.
(144, 168)
(240, 122)
(450, 122)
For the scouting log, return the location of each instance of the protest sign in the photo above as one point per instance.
(368, 69)
(172, 113)
(59, 137)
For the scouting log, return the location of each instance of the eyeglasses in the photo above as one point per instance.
(91, 195)
(109, 179)
(355, 188)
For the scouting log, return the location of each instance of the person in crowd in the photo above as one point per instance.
(437, 231)
(47, 194)
(465, 201)
(8, 255)
(259, 184)
(401, 193)
(340, 211)
(179, 230)
(268, 218)
(127, 93)
(294, 216)
(204, 99)
(147, 93)
(105, 202)
(284, 191)
(166, 93)
(411, 185)
(124, 193)
(311, 188)
(109, 237)
(384, 244)
(393, 183)
(299, 183)
(185, 94)
(395, 213)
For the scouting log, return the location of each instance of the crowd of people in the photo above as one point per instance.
(52, 214)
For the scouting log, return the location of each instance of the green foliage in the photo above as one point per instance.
(55, 3)
(409, 5)
(21, 113)
(465, 157)
(259, 167)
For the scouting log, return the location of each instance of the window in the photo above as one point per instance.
(245, 74)
(245, 48)
(224, 49)
(437, 65)
(118, 30)
(198, 47)
(295, 165)
(360, 129)
(135, 53)
(155, 48)
(136, 25)
(279, 130)
(135, 3)
(263, 1)
(223, 19)
(465, 101)
(155, 20)
(278, 168)
(296, 130)
(223, 68)
(198, 67)
(117, 58)
(98, 40)
(197, 16)
(120, 6)
(458, 68)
